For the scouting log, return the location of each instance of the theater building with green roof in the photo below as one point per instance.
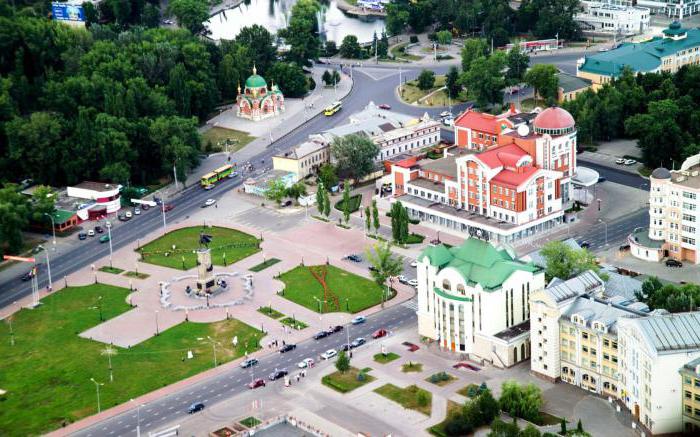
(676, 47)
(474, 299)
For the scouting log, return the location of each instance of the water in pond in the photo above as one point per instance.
(273, 15)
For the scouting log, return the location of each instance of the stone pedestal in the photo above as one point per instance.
(205, 272)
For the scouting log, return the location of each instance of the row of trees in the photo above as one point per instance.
(350, 47)
(671, 297)
(661, 110)
(494, 20)
(399, 222)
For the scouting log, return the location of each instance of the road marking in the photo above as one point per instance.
(148, 424)
(171, 407)
(212, 390)
(120, 422)
(225, 385)
(156, 413)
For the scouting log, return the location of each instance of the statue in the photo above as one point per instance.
(204, 239)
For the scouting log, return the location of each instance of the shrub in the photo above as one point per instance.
(521, 401)
(422, 398)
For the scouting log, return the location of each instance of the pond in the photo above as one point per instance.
(274, 14)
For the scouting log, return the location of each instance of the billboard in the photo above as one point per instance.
(67, 12)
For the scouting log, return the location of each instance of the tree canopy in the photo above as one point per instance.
(670, 297)
(564, 262)
(354, 155)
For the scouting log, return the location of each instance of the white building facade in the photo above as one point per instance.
(604, 17)
(474, 299)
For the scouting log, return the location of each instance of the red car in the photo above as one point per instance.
(379, 333)
(257, 383)
(168, 207)
(384, 106)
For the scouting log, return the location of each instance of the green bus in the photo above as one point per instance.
(209, 179)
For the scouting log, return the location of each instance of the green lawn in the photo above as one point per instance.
(219, 136)
(408, 397)
(383, 359)
(294, 323)
(263, 265)
(346, 382)
(399, 51)
(303, 288)
(412, 367)
(270, 312)
(234, 244)
(108, 269)
(355, 202)
(250, 422)
(410, 93)
(440, 379)
(439, 429)
(137, 275)
(47, 373)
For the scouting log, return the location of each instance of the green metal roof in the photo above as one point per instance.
(61, 216)
(478, 262)
(440, 292)
(255, 81)
(640, 57)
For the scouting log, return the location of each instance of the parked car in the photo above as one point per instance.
(585, 244)
(259, 382)
(128, 215)
(208, 202)
(346, 347)
(137, 211)
(358, 342)
(413, 282)
(277, 374)
(336, 328)
(402, 279)
(384, 106)
(250, 362)
(232, 175)
(602, 179)
(359, 320)
(448, 121)
(372, 268)
(27, 276)
(624, 247)
(306, 363)
(330, 353)
(673, 263)
(287, 347)
(354, 258)
(630, 161)
(91, 233)
(620, 161)
(379, 333)
(197, 406)
(168, 207)
(411, 346)
(444, 114)
(104, 239)
(99, 229)
(82, 236)
(320, 335)
(414, 264)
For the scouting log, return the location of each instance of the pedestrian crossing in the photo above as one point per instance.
(411, 304)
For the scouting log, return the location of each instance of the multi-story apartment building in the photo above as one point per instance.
(506, 186)
(618, 350)
(605, 17)
(674, 215)
(679, 9)
(651, 349)
(690, 380)
(474, 299)
(677, 47)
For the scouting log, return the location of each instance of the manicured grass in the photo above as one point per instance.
(410, 93)
(440, 379)
(137, 275)
(270, 312)
(219, 135)
(548, 419)
(355, 202)
(294, 323)
(250, 422)
(414, 239)
(412, 367)
(302, 287)
(47, 373)
(263, 265)
(346, 382)
(408, 397)
(470, 391)
(108, 269)
(235, 244)
(439, 429)
(399, 51)
(383, 359)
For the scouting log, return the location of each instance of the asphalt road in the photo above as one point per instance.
(170, 410)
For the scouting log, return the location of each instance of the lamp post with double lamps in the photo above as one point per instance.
(97, 386)
(53, 228)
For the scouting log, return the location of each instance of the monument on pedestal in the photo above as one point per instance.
(205, 270)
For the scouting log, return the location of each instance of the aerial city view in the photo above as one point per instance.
(343, 218)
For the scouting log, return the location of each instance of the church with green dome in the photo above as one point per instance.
(257, 102)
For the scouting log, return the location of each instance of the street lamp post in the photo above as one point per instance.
(138, 419)
(53, 228)
(606, 230)
(48, 268)
(162, 210)
(97, 386)
(109, 236)
(99, 307)
(157, 331)
(213, 345)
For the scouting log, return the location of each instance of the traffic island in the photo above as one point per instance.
(386, 358)
(177, 249)
(49, 366)
(345, 382)
(411, 397)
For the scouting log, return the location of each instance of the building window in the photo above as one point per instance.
(446, 285)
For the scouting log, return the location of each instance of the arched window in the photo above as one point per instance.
(460, 289)
(592, 380)
(565, 370)
(446, 284)
(606, 385)
(585, 377)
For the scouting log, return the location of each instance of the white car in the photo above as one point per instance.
(448, 121)
(413, 282)
(620, 161)
(402, 279)
(414, 264)
(91, 233)
(630, 161)
(330, 353)
(108, 224)
(445, 114)
(209, 187)
(137, 211)
(308, 362)
(209, 202)
(128, 214)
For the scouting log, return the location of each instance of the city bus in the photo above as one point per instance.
(209, 179)
(333, 108)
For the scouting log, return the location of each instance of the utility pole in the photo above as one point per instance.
(162, 209)
(175, 175)
(48, 267)
(109, 236)
(53, 228)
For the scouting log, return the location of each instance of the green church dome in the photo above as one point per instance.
(255, 81)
